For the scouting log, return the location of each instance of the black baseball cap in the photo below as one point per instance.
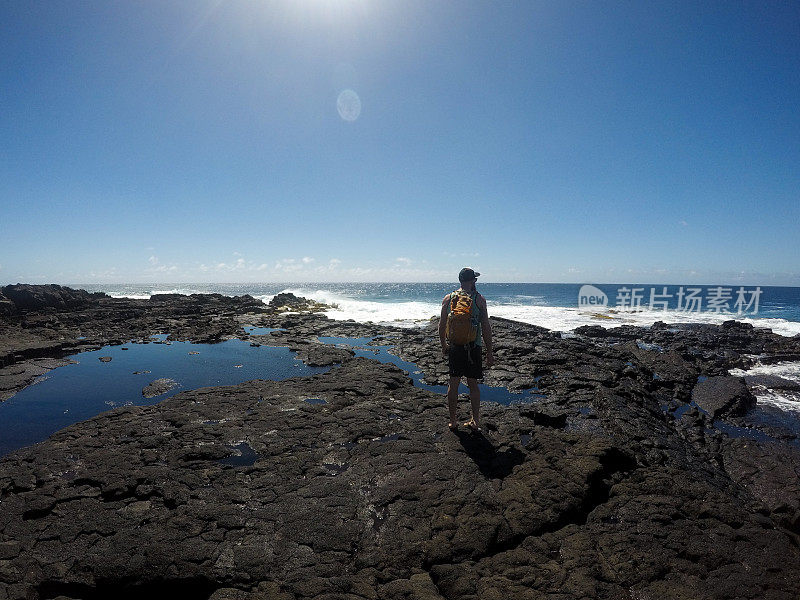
(467, 274)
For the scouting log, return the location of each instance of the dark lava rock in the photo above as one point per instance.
(7, 307)
(770, 471)
(782, 357)
(162, 298)
(37, 297)
(368, 496)
(596, 331)
(286, 301)
(18, 375)
(104, 359)
(320, 355)
(158, 387)
(544, 416)
(734, 324)
(773, 382)
(723, 396)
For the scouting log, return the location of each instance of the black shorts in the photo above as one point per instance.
(465, 361)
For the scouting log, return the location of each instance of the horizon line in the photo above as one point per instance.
(309, 282)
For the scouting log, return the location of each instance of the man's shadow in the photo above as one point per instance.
(492, 463)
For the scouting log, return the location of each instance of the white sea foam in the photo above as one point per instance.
(181, 291)
(518, 307)
(787, 370)
(415, 313)
(131, 296)
(788, 401)
(137, 295)
(783, 399)
(403, 314)
(566, 319)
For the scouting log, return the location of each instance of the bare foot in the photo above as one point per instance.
(472, 425)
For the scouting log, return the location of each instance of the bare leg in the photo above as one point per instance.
(475, 400)
(452, 399)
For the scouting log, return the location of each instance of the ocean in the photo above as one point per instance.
(550, 305)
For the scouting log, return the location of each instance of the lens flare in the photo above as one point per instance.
(349, 105)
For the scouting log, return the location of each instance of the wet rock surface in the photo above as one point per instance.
(611, 483)
(723, 395)
(773, 382)
(158, 387)
(16, 376)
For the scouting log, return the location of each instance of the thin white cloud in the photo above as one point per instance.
(288, 267)
(156, 267)
(240, 265)
(164, 269)
(300, 268)
(333, 264)
(104, 275)
(461, 254)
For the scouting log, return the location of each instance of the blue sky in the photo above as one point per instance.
(536, 141)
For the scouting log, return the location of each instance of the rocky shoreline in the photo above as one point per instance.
(641, 469)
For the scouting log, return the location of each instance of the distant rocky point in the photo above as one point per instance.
(286, 302)
(25, 297)
(22, 297)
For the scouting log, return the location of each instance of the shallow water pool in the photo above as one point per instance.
(381, 353)
(80, 391)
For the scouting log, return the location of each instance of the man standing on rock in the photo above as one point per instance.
(464, 322)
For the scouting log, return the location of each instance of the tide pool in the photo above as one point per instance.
(90, 386)
(381, 353)
(80, 391)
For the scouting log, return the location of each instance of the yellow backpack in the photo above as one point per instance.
(461, 327)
